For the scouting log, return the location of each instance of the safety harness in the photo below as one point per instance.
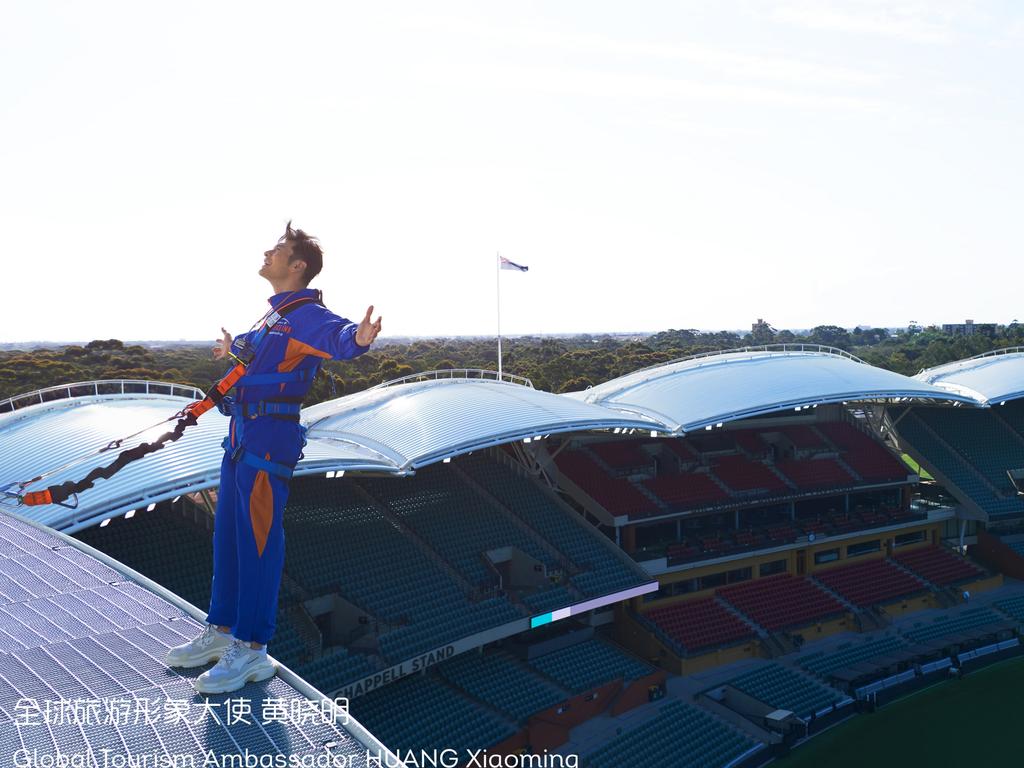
(66, 493)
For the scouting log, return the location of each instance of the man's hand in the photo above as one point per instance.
(367, 331)
(223, 348)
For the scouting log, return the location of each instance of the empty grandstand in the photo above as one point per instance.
(512, 568)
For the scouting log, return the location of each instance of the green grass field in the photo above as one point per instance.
(968, 722)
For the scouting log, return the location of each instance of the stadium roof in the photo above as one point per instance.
(82, 627)
(709, 389)
(393, 428)
(403, 425)
(427, 417)
(55, 432)
(993, 377)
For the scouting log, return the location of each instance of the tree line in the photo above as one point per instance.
(556, 364)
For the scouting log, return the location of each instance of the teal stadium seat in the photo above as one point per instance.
(785, 688)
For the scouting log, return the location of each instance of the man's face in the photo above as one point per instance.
(276, 264)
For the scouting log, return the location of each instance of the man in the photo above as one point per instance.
(264, 443)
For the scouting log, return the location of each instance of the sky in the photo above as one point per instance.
(656, 164)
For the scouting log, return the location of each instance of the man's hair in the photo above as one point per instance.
(304, 248)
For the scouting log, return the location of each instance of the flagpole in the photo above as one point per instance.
(497, 269)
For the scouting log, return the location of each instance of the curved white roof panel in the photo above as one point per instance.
(989, 378)
(42, 437)
(421, 422)
(704, 390)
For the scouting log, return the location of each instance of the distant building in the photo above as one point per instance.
(761, 332)
(969, 328)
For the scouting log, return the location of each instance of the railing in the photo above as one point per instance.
(990, 353)
(459, 373)
(93, 388)
(818, 348)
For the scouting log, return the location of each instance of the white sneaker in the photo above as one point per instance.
(204, 648)
(239, 665)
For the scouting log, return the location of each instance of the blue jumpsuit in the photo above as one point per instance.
(248, 531)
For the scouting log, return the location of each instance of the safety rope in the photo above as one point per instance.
(66, 494)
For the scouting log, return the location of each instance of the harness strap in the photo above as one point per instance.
(266, 408)
(59, 494)
(247, 457)
(259, 379)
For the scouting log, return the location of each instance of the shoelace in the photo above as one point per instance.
(230, 654)
(207, 637)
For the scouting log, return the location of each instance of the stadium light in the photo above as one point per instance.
(526, 439)
(341, 473)
(654, 433)
(329, 474)
(175, 499)
(129, 514)
(105, 523)
(719, 424)
(447, 460)
(151, 507)
(708, 428)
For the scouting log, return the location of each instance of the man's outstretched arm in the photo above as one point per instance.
(344, 339)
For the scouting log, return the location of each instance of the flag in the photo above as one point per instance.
(506, 264)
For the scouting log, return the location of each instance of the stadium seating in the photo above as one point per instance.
(929, 432)
(698, 625)
(749, 441)
(286, 645)
(589, 664)
(783, 601)
(785, 688)
(617, 495)
(335, 669)
(870, 582)
(682, 449)
(1012, 606)
(1013, 414)
(622, 455)
(804, 437)
(454, 520)
(503, 682)
(1016, 546)
(981, 438)
(816, 473)
(687, 490)
(743, 474)
(868, 458)
(421, 713)
(337, 541)
(947, 626)
(680, 736)
(938, 566)
(849, 654)
(586, 548)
